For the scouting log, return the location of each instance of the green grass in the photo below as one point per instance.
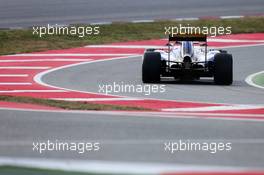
(11, 170)
(259, 79)
(69, 105)
(20, 41)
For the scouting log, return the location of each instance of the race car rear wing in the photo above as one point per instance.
(186, 37)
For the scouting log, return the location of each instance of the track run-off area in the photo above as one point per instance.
(22, 75)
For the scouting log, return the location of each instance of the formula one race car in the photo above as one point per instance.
(187, 57)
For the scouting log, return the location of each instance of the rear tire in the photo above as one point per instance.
(223, 73)
(151, 67)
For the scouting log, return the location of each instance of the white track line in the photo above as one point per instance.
(231, 17)
(15, 83)
(97, 99)
(44, 60)
(143, 21)
(164, 47)
(100, 23)
(108, 167)
(249, 80)
(24, 67)
(126, 46)
(176, 115)
(175, 19)
(185, 19)
(14, 75)
(220, 40)
(213, 108)
(239, 46)
(206, 114)
(71, 54)
(30, 91)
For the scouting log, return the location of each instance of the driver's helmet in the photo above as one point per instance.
(187, 48)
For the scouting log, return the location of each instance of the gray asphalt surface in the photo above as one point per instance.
(131, 138)
(17, 13)
(88, 77)
(141, 138)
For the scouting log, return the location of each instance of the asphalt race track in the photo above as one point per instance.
(132, 138)
(135, 138)
(17, 13)
(88, 77)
